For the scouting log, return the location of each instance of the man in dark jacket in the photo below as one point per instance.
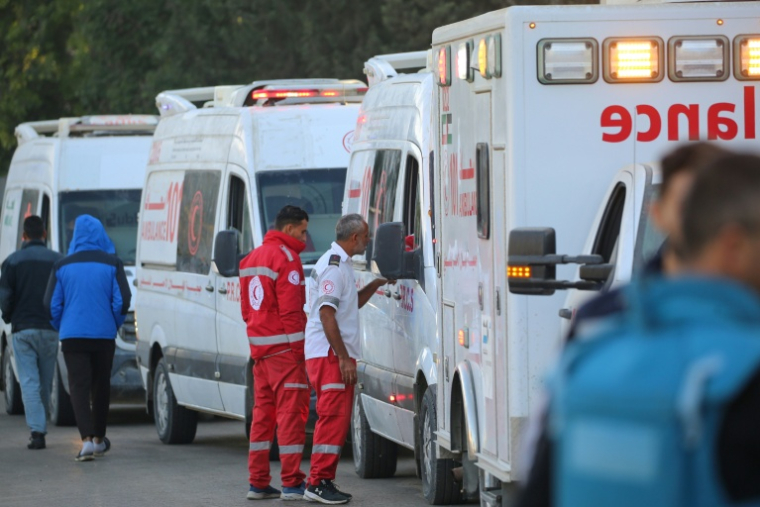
(89, 297)
(35, 343)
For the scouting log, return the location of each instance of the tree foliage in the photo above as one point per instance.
(74, 57)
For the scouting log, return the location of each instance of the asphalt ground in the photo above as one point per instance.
(140, 470)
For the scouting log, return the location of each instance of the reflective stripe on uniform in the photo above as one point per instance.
(287, 252)
(291, 449)
(268, 340)
(328, 300)
(295, 337)
(325, 449)
(295, 386)
(333, 387)
(259, 271)
(260, 446)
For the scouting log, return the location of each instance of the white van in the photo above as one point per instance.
(216, 178)
(60, 170)
(535, 111)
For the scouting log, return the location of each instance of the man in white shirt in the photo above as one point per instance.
(331, 348)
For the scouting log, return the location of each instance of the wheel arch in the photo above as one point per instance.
(463, 413)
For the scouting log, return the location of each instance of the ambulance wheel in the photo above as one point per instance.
(14, 405)
(61, 410)
(438, 486)
(374, 456)
(175, 424)
(274, 451)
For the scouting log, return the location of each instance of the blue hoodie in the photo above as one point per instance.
(88, 294)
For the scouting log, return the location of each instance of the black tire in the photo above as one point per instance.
(274, 451)
(438, 486)
(375, 457)
(14, 405)
(61, 410)
(175, 424)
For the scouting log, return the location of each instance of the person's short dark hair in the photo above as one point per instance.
(33, 227)
(290, 215)
(688, 157)
(725, 192)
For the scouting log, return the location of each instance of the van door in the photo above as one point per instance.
(234, 352)
(195, 351)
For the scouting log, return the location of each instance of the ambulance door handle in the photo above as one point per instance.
(210, 287)
(387, 293)
(566, 313)
(222, 290)
(396, 296)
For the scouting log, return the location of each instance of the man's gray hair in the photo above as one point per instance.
(348, 225)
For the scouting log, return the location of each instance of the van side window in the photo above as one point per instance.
(412, 218)
(45, 215)
(382, 197)
(29, 200)
(197, 214)
(609, 227)
(483, 176)
(239, 213)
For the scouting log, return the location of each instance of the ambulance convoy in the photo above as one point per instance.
(216, 177)
(534, 120)
(60, 170)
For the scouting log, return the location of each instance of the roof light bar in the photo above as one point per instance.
(277, 94)
(747, 57)
(698, 58)
(633, 60)
(568, 61)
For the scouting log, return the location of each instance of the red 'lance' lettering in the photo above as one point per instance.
(163, 230)
(720, 125)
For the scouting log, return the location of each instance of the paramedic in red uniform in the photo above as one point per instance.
(272, 301)
(332, 347)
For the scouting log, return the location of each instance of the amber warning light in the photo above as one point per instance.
(518, 271)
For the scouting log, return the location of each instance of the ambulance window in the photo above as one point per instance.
(412, 219)
(29, 200)
(239, 213)
(609, 228)
(45, 215)
(484, 191)
(382, 198)
(195, 232)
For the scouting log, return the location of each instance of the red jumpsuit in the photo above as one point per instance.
(272, 300)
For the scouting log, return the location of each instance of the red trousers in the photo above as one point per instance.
(334, 403)
(281, 399)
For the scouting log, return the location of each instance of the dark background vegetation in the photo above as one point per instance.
(73, 57)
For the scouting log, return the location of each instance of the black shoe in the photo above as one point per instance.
(325, 492)
(347, 495)
(36, 441)
(101, 453)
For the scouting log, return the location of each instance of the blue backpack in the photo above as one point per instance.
(636, 410)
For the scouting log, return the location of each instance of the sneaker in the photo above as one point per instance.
(260, 494)
(325, 492)
(293, 493)
(347, 495)
(87, 452)
(36, 441)
(99, 452)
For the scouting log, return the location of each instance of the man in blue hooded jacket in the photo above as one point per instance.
(88, 297)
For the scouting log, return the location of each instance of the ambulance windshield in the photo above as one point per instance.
(650, 239)
(117, 211)
(318, 191)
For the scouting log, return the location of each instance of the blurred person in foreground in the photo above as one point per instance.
(88, 296)
(35, 343)
(660, 406)
(273, 297)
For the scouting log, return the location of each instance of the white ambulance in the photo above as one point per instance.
(536, 111)
(216, 178)
(60, 170)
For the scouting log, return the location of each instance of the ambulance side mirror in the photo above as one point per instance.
(526, 245)
(389, 255)
(226, 247)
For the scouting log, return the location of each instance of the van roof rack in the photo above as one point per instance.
(382, 67)
(261, 93)
(106, 124)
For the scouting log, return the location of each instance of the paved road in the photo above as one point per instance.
(140, 470)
